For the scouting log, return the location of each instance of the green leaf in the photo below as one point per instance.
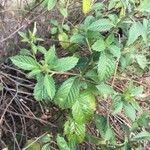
(24, 62)
(103, 127)
(45, 139)
(45, 142)
(134, 32)
(115, 50)
(141, 60)
(32, 145)
(23, 35)
(136, 91)
(86, 6)
(126, 60)
(110, 39)
(62, 144)
(77, 38)
(24, 51)
(144, 6)
(109, 133)
(68, 93)
(41, 49)
(84, 108)
(92, 74)
(104, 89)
(64, 12)
(64, 40)
(46, 147)
(101, 25)
(74, 131)
(50, 4)
(97, 6)
(144, 135)
(49, 84)
(50, 57)
(34, 72)
(66, 63)
(129, 111)
(101, 123)
(117, 105)
(106, 67)
(40, 92)
(88, 21)
(72, 145)
(54, 30)
(99, 45)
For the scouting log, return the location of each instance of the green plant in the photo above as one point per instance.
(115, 41)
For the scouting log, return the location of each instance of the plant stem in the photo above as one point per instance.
(89, 47)
(65, 73)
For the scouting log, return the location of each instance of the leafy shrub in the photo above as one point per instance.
(112, 41)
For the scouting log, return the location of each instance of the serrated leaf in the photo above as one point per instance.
(126, 60)
(66, 63)
(134, 32)
(68, 93)
(106, 67)
(101, 123)
(64, 12)
(41, 49)
(72, 145)
(84, 108)
(117, 105)
(88, 20)
(62, 144)
(86, 6)
(141, 60)
(144, 135)
(136, 91)
(50, 57)
(136, 105)
(45, 139)
(24, 51)
(110, 39)
(144, 6)
(101, 25)
(92, 74)
(77, 38)
(40, 92)
(66, 27)
(50, 4)
(49, 84)
(104, 89)
(74, 131)
(34, 72)
(23, 35)
(105, 130)
(46, 147)
(109, 133)
(64, 40)
(129, 111)
(24, 62)
(115, 50)
(99, 45)
(97, 6)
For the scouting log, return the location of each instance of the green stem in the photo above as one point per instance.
(89, 47)
(65, 73)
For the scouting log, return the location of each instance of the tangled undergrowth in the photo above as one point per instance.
(87, 87)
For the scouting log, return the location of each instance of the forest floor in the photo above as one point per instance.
(21, 117)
